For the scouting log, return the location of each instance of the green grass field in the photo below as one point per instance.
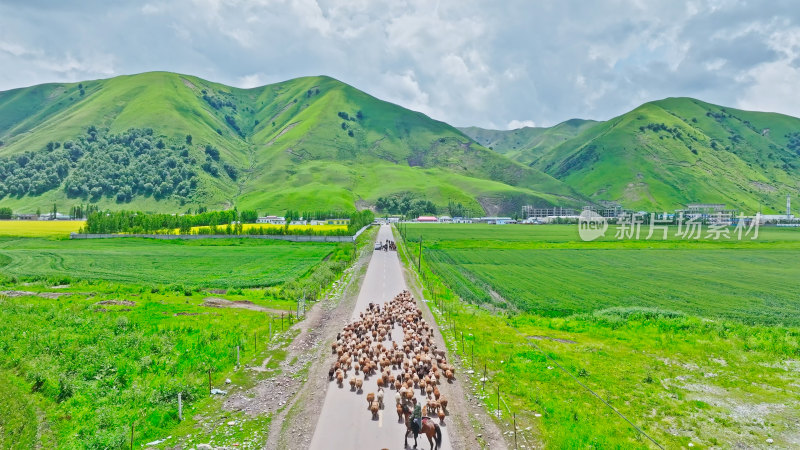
(199, 263)
(694, 342)
(126, 330)
(95, 368)
(530, 236)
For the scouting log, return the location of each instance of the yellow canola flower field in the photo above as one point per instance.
(39, 228)
(267, 226)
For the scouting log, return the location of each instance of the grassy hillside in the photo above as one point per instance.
(523, 144)
(308, 143)
(665, 154)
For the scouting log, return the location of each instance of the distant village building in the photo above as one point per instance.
(497, 220)
(427, 219)
(445, 219)
(57, 216)
(271, 220)
(462, 220)
(337, 221)
(715, 213)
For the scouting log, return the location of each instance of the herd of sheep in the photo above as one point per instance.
(366, 348)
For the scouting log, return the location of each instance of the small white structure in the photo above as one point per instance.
(445, 219)
(462, 220)
(497, 220)
(272, 220)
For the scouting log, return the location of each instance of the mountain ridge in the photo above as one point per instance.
(305, 143)
(667, 153)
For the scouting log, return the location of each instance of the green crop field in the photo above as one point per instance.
(560, 282)
(693, 341)
(530, 236)
(99, 336)
(203, 263)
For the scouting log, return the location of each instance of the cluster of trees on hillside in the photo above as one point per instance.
(218, 100)
(456, 209)
(34, 173)
(406, 204)
(117, 166)
(794, 142)
(133, 163)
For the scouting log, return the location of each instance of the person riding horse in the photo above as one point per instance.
(416, 417)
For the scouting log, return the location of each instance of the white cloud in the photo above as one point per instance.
(462, 61)
(14, 49)
(251, 81)
(515, 124)
(774, 88)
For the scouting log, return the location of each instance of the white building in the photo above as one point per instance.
(272, 220)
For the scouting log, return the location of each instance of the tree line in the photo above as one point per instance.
(211, 222)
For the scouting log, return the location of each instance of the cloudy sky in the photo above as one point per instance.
(497, 64)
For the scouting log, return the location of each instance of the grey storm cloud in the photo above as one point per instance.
(492, 64)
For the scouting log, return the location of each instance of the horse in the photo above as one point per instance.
(428, 428)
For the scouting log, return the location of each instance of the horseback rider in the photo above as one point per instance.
(416, 417)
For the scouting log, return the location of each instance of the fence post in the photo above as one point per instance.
(209, 381)
(237, 356)
(180, 407)
(515, 430)
(133, 426)
(484, 376)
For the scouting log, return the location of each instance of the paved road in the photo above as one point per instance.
(344, 422)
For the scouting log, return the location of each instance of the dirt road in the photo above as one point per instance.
(344, 421)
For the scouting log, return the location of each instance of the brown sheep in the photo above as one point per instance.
(374, 408)
(370, 398)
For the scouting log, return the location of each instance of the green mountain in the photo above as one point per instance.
(523, 144)
(667, 153)
(166, 142)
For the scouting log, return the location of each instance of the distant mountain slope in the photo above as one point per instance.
(308, 143)
(665, 154)
(523, 144)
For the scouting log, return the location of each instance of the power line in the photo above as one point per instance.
(596, 395)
